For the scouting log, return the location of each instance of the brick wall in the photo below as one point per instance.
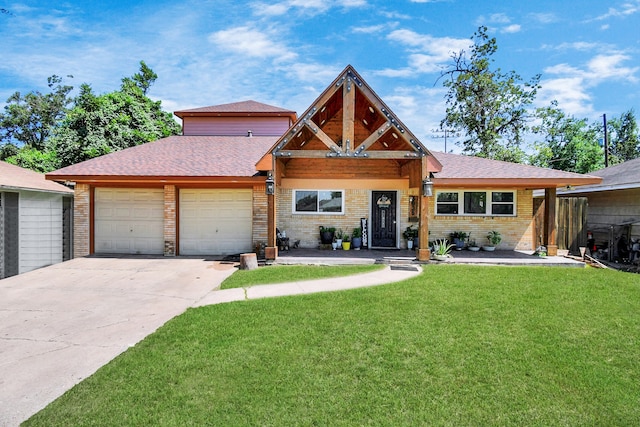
(259, 215)
(81, 208)
(169, 220)
(306, 227)
(517, 232)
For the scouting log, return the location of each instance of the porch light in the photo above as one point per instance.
(427, 187)
(270, 185)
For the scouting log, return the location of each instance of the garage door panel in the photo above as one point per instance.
(129, 221)
(215, 222)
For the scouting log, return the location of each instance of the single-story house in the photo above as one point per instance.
(613, 204)
(35, 221)
(241, 171)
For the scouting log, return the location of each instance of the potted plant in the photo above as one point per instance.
(346, 242)
(473, 246)
(411, 234)
(334, 244)
(326, 235)
(338, 237)
(494, 239)
(356, 238)
(444, 248)
(458, 238)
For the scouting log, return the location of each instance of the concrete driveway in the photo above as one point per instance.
(61, 323)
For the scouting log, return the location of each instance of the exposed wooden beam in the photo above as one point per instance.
(319, 133)
(348, 114)
(316, 154)
(374, 137)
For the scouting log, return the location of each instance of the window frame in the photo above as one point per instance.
(294, 198)
(488, 199)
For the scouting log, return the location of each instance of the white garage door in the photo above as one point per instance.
(129, 221)
(215, 222)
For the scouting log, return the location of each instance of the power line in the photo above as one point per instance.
(446, 133)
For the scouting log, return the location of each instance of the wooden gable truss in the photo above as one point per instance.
(349, 133)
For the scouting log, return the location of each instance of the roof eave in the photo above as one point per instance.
(514, 182)
(164, 180)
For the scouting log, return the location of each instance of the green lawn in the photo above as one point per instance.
(458, 345)
(292, 273)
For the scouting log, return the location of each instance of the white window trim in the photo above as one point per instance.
(293, 202)
(488, 198)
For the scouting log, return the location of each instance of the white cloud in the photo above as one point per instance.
(544, 18)
(571, 87)
(570, 92)
(372, 29)
(499, 18)
(305, 7)
(421, 109)
(427, 54)
(582, 46)
(251, 42)
(626, 9)
(610, 66)
(513, 28)
(499, 22)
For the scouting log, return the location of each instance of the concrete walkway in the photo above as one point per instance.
(60, 324)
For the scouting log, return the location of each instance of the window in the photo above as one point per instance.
(318, 201)
(475, 202)
(447, 204)
(502, 203)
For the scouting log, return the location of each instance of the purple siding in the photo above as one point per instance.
(232, 126)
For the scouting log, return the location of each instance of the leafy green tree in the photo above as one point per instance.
(31, 158)
(101, 124)
(624, 141)
(490, 106)
(30, 119)
(568, 144)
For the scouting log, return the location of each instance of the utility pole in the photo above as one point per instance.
(606, 142)
(449, 132)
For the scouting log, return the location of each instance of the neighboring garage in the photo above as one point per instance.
(129, 221)
(215, 221)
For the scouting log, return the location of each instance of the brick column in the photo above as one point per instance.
(81, 220)
(170, 222)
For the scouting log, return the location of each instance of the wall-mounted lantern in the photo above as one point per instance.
(427, 187)
(270, 185)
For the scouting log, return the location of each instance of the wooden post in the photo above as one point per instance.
(271, 251)
(424, 254)
(550, 221)
(348, 114)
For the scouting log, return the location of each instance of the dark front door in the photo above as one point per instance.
(383, 219)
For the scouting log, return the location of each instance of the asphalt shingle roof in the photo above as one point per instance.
(14, 177)
(456, 166)
(238, 108)
(178, 156)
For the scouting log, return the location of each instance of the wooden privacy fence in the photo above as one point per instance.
(571, 218)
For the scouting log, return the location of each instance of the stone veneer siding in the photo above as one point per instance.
(81, 217)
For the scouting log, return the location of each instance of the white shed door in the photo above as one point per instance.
(129, 221)
(215, 222)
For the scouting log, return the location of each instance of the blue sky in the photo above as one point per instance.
(286, 52)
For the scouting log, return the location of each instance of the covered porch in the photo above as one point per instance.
(303, 256)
